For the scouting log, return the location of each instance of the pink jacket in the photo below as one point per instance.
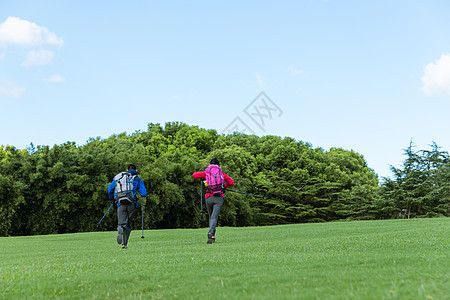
(202, 175)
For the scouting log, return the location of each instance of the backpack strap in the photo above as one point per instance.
(133, 193)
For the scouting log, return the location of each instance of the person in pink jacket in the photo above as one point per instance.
(216, 183)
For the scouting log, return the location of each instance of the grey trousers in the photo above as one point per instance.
(125, 215)
(214, 205)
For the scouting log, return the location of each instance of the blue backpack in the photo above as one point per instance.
(123, 192)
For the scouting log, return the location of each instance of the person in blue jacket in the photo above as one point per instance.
(126, 212)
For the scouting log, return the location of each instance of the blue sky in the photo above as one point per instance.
(362, 75)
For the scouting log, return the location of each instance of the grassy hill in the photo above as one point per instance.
(401, 259)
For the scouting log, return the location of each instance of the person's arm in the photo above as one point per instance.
(111, 188)
(141, 188)
(228, 181)
(199, 175)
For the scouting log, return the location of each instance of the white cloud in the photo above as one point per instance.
(22, 32)
(11, 90)
(436, 78)
(55, 79)
(38, 58)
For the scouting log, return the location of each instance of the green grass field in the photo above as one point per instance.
(396, 259)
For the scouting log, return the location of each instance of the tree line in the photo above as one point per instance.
(62, 189)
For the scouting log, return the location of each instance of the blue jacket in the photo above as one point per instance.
(138, 186)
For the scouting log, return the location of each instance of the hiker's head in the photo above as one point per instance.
(214, 161)
(131, 167)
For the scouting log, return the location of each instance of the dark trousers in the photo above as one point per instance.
(125, 215)
(214, 205)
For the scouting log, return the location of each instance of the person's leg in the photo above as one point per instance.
(122, 219)
(217, 203)
(209, 206)
(131, 211)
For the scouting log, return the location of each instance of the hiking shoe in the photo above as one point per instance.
(213, 239)
(210, 238)
(124, 247)
(119, 235)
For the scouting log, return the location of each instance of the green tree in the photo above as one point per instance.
(419, 187)
(63, 188)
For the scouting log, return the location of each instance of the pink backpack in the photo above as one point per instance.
(214, 178)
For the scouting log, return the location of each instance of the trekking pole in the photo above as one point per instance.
(142, 199)
(245, 193)
(105, 214)
(201, 196)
